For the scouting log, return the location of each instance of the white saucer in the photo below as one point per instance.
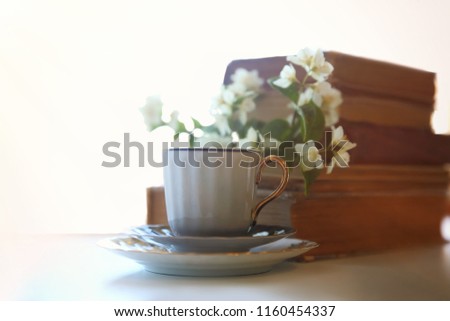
(162, 235)
(160, 260)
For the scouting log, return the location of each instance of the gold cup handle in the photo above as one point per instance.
(276, 193)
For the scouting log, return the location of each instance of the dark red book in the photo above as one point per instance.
(357, 75)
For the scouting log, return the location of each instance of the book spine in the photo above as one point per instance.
(386, 112)
(381, 78)
(393, 145)
(374, 110)
(355, 74)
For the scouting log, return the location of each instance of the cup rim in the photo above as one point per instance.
(212, 149)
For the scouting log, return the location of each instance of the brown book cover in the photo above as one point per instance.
(356, 75)
(377, 143)
(385, 112)
(390, 138)
(381, 78)
(380, 139)
(394, 145)
(357, 108)
(367, 208)
(357, 224)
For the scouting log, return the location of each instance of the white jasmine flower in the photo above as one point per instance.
(304, 58)
(331, 99)
(228, 96)
(174, 120)
(313, 62)
(337, 135)
(310, 157)
(225, 98)
(222, 104)
(248, 79)
(152, 112)
(309, 95)
(246, 106)
(287, 77)
(222, 125)
(331, 116)
(293, 106)
(222, 109)
(238, 89)
(344, 158)
(251, 139)
(340, 146)
(321, 69)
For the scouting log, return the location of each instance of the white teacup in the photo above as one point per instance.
(211, 192)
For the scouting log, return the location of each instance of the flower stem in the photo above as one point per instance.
(304, 80)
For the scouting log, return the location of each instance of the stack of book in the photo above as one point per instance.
(383, 94)
(386, 109)
(394, 194)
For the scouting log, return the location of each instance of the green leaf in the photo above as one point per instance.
(211, 129)
(197, 124)
(176, 136)
(309, 178)
(235, 125)
(312, 122)
(256, 124)
(191, 140)
(181, 128)
(278, 129)
(291, 92)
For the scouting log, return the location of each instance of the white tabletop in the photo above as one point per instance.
(73, 267)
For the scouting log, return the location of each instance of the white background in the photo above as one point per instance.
(74, 73)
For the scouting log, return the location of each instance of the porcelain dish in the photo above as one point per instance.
(162, 235)
(158, 259)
